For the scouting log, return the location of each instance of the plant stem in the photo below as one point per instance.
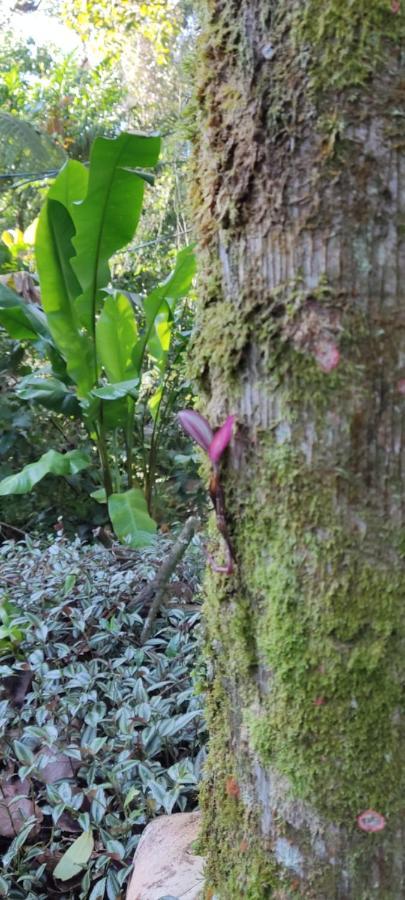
(103, 454)
(129, 440)
(158, 586)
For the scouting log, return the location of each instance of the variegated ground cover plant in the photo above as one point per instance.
(97, 733)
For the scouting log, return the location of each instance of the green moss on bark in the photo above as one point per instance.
(239, 864)
(218, 343)
(329, 631)
(314, 609)
(328, 625)
(348, 41)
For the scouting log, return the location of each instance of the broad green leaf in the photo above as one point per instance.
(49, 392)
(155, 401)
(15, 322)
(106, 220)
(59, 286)
(130, 518)
(76, 857)
(117, 390)
(99, 495)
(116, 335)
(51, 463)
(172, 289)
(113, 413)
(163, 330)
(23, 321)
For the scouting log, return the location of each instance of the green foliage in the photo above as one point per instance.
(106, 733)
(130, 519)
(51, 463)
(106, 219)
(22, 321)
(50, 393)
(117, 334)
(24, 148)
(97, 350)
(10, 633)
(28, 427)
(76, 857)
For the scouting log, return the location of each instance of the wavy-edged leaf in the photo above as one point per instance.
(23, 321)
(51, 463)
(116, 336)
(50, 393)
(130, 518)
(59, 285)
(117, 390)
(76, 857)
(159, 303)
(107, 218)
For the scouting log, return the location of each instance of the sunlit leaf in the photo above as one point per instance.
(116, 335)
(59, 285)
(99, 495)
(172, 289)
(76, 857)
(109, 214)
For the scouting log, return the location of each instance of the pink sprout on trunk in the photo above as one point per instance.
(201, 432)
(214, 445)
(221, 440)
(196, 427)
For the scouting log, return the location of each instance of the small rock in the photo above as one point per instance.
(164, 863)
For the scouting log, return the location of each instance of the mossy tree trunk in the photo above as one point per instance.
(299, 197)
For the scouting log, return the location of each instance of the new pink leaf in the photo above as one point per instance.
(221, 439)
(197, 427)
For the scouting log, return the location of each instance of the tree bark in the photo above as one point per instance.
(299, 200)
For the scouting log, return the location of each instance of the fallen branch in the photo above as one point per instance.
(12, 530)
(155, 590)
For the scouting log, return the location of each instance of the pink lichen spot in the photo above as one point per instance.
(395, 6)
(221, 439)
(370, 820)
(401, 386)
(327, 356)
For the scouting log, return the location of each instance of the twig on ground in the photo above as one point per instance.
(155, 590)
